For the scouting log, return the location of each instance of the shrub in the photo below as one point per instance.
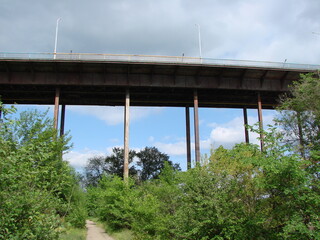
(36, 184)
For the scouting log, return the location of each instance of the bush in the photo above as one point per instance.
(36, 184)
(142, 208)
(240, 193)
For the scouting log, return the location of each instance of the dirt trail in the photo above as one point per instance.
(96, 233)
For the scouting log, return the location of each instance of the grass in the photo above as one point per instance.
(124, 234)
(74, 234)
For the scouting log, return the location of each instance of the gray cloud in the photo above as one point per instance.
(256, 30)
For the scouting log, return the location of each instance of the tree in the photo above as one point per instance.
(300, 115)
(114, 162)
(300, 121)
(94, 170)
(98, 166)
(152, 161)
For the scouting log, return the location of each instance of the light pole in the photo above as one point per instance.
(199, 36)
(56, 39)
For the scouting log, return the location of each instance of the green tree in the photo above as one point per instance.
(152, 161)
(115, 162)
(300, 115)
(94, 170)
(99, 166)
(37, 187)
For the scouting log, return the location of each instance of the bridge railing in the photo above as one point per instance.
(156, 59)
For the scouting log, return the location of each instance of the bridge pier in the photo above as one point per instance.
(196, 127)
(56, 107)
(126, 136)
(62, 119)
(245, 119)
(188, 142)
(260, 122)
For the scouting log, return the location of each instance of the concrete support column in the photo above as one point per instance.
(301, 138)
(188, 138)
(196, 127)
(62, 120)
(56, 107)
(0, 116)
(245, 119)
(126, 136)
(260, 122)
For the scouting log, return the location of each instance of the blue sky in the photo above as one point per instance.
(270, 30)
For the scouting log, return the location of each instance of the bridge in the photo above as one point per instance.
(138, 80)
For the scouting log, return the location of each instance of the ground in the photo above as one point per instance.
(96, 233)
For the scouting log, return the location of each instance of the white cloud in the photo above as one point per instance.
(245, 29)
(177, 148)
(115, 115)
(78, 159)
(232, 132)
(205, 144)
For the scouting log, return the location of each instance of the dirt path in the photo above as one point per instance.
(96, 233)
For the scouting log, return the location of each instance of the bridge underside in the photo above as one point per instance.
(150, 84)
(141, 96)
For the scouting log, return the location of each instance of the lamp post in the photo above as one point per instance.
(199, 36)
(56, 39)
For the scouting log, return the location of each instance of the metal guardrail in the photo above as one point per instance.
(155, 59)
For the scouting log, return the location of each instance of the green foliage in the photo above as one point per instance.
(74, 234)
(77, 211)
(137, 207)
(220, 199)
(300, 115)
(240, 193)
(124, 234)
(36, 188)
(98, 166)
(152, 161)
(113, 201)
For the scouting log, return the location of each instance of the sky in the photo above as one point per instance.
(262, 30)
